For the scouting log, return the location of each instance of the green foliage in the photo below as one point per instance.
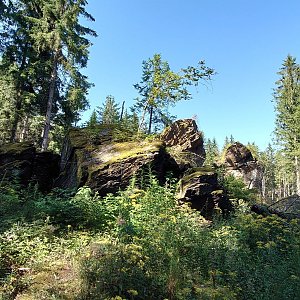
(162, 251)
(258, 256)
(140, 244)
(109, 112)
(160, 88)
(287, 106)
(212, 152)
(238, 192)
(92, 122)
(43, 49)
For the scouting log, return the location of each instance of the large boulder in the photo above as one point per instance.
(20, 162)
(185, 143)
(107, 165)
(240, 163)
(201, 189)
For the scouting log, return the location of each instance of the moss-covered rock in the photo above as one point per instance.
(109, 165)
(201, 189)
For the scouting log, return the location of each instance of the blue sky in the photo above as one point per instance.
(244, 41)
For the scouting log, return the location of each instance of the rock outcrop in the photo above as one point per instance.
(107, 165)
(99, 159)
(201, 189)
(240, 163)
(21, 162)
(185, 143)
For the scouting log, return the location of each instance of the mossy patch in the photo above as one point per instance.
(185, 157)
(111, 153)
(197, 172)
(118, 151)
(15, 148)
(192, 173)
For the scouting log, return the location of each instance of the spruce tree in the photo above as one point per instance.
(268, 161)
(212, 152)
(93, 120)
(58, 31)
(287, 105)
(44, 48)
(109, 112)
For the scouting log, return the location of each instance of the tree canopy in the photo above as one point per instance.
(43, 50)
(160, 87)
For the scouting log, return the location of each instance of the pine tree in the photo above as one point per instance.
(109, 112)
(93, 120)
(226, 143)
(287, 105)
(59, 32)
(268, 160)
(43, 48)
(231, 139)
(212, 152)
(18, 60)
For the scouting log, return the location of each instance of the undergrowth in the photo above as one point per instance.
(140, 244)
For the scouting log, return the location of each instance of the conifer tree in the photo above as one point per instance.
(212, 152)
(287, 105)
(109, 112)
(268, 160)
(43, 48)
(57, 30)
(93, 120)
(18, 60)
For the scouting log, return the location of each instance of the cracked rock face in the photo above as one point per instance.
(185, 142)
(202, 190)
(240, 163)
(108, 166)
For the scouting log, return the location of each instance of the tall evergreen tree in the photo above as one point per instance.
(18, 59)
(268, 159)
(43, 49)
(57, 30)
(287, 105)
(93, 120)
(226, 143)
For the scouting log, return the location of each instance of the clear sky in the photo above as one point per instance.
(245, 41)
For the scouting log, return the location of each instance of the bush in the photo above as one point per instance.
(159, 250)
(141, 244)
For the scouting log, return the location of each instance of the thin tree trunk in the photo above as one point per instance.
(122, 111)
(143, 117)
(45, 137)
(150, 120)
(263, 187)
(16, 117)
(25, 129)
